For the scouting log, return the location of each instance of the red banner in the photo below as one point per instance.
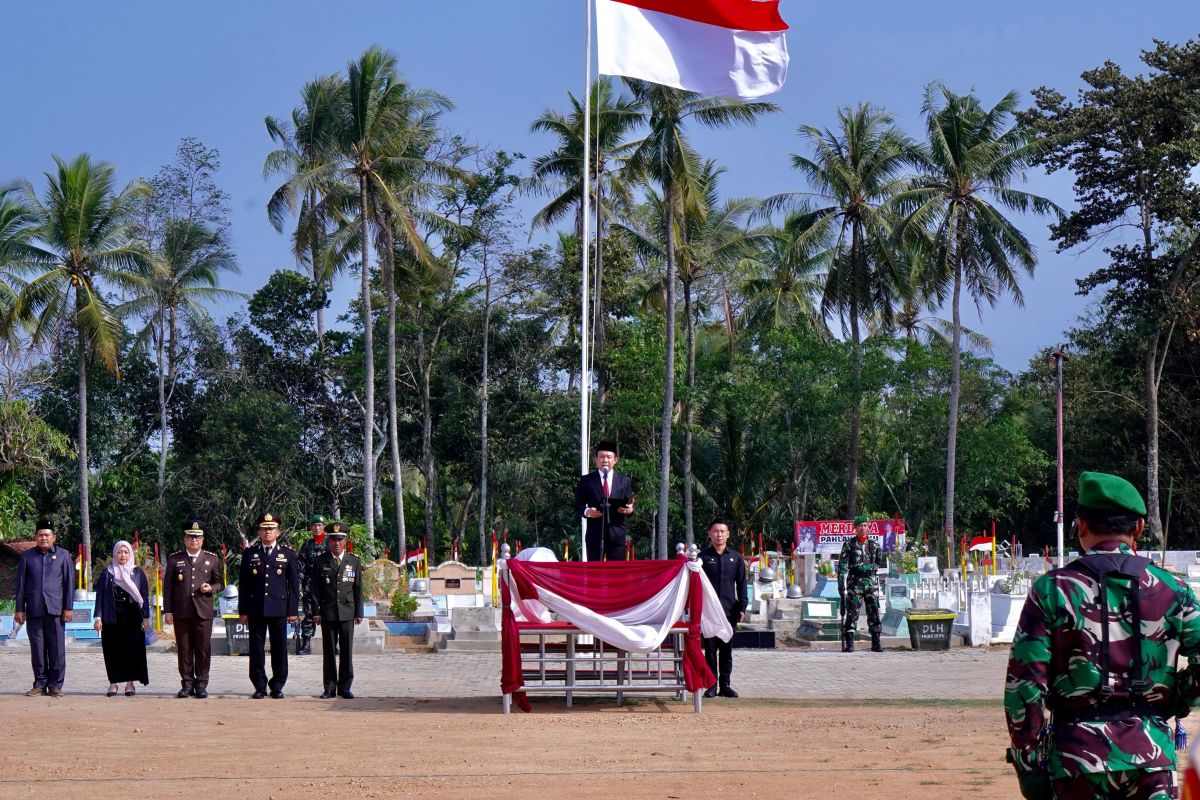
(827, 536)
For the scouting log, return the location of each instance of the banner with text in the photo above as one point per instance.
(827, 536)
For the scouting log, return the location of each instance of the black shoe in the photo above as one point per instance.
(304, 646)
(259, 694)
(725, 691)
(876, 645)
(326, 695)
(184, 692)
(848, 644)
(346, 695)
(200, 693)
(276, 695)
(710, 692)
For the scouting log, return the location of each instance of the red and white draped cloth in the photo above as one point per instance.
(631, 605)
(730, 48)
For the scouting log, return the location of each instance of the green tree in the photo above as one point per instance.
(81, 241)
(1132, 144)
(856, 171)
(666, 158)
(969, 165)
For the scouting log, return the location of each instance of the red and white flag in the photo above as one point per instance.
(729, 48)
(415, 555)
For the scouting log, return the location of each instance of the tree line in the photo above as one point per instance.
(812, 377)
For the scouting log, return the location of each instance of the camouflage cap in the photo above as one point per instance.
(1100, 491)
(860, 519)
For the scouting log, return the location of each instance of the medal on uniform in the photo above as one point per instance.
(179, 577)
(253, 571)
(279, 572)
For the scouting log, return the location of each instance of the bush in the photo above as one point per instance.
(404, 605)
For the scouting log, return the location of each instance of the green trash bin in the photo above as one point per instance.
(930, 628)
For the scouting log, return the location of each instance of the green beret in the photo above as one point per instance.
(316, 519)
(1099, 491)
(860, 519)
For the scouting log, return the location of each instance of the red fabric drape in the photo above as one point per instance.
(605, 587)
(696, 674)
(511, 679)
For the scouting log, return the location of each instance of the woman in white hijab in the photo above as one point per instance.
(122, 615)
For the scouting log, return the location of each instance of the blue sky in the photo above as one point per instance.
(126, 80)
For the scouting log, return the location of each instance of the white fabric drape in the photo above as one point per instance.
(639, 628)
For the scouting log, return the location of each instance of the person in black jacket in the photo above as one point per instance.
(122, 615)
(726, 572)
(336, 597)
(268, 599)
(605, 498)
(44, 600)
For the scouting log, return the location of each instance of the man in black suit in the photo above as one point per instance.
(605, 498)
(335, 595)
(268, 599)
(191, 578)
(44, 601)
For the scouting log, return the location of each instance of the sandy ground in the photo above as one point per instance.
(151, 747)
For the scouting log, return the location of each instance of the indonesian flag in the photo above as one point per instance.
(981, 543)
(729, 48)
(415, 556)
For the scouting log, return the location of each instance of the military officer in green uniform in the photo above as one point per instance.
(337, 600)
(859, 560)
(1099, 662)
(310, 551)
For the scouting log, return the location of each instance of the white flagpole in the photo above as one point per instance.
(585, 376)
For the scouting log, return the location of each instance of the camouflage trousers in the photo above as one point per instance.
(868, 599)
(1127, 784)
(308, 628)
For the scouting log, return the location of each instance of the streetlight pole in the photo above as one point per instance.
(1059, 357)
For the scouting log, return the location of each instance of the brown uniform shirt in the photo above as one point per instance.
(182, 581)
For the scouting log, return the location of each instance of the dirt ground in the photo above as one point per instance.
(150, 747)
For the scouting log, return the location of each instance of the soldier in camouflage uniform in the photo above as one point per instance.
(1103, 664)
(860, 558)
(309, 553)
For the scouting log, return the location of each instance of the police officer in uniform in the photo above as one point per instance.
(268, 598)
(192, 577)
(726, 572)
(336, 596)
(1100, 646)
(309, 552)
(857, 565)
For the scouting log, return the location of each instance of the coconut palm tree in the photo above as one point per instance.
(377, 137)
(713, 240)
(184, 277)
(786, 276)
(307, 161)
(969, 164)
(666, 159)
(80, 244)
(855, 170)
(559, 173)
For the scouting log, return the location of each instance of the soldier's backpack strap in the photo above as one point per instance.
(1129, 566)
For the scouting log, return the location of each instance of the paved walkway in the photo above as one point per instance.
(957, 674)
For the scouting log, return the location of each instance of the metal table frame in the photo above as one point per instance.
(595, 667)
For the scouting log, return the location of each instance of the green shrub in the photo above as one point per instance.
(404, 605)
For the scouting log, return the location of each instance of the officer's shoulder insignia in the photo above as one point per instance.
(209, 553)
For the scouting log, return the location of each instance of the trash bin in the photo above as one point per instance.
(237, 636)
(930, 628)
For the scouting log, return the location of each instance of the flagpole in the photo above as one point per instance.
(585, 377)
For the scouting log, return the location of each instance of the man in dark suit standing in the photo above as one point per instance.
(605, 498)
(44, 602)
(268, 599)
(191, 580)
(726, 572)
(336, 598)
